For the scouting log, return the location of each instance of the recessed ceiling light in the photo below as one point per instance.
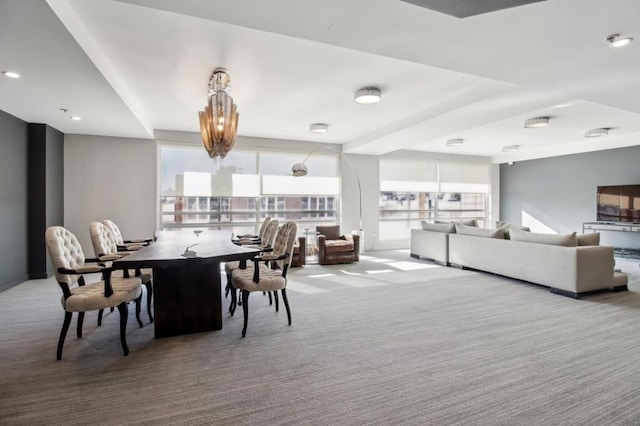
(615, 40)
(536, 122)
(594, 133)
(76, 118)
(367, 95)
(511, 148)
(455, 142)
(319, 128)
(11, 74)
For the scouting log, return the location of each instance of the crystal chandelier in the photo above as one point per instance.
(219, 120)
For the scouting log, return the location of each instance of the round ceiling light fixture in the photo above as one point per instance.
(319, 128)
(615, 40)
(455, 142)
(11, 74)
(536, 122)
(367, 95)
(595, 133)
(511, 148)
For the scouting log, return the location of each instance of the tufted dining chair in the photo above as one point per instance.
(70, 264)
(123, 244)
(266, 243)
(254, 239)
(105, 248)
(263, 279)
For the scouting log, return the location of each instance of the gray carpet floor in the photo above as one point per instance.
(390, 340)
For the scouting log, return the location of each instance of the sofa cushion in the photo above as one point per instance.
(568, 240)
(439, 227)
(468, 222)
(331, 232)
(508, 226)
(479, 232)
(592, 239)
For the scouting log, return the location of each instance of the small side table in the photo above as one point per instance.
(311, 245)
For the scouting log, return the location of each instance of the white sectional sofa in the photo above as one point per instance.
(538, 258)
(430, 245)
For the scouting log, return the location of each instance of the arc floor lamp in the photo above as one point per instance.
(300, 169)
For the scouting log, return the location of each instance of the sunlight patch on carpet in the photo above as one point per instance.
(412, 266)
(356, 282)
(380, 271)
(304, 288)
(321, 275)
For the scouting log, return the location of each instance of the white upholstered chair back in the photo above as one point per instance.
(65, 252)
(115, 231)
(102, 239)
(263, 227)
(269, 235)
(284, 241)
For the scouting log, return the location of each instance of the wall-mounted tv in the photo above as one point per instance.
(619, 203)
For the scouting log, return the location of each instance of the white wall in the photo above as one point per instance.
(109, 178)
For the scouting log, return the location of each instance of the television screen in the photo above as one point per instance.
(619, 203)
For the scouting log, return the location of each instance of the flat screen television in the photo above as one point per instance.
(619, 203)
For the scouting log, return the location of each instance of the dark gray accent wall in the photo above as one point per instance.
(46, 193)
(560, 192)
(13, 200)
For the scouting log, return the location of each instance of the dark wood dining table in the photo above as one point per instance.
(187, 291)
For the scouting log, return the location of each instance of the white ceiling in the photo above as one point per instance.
(133, 66)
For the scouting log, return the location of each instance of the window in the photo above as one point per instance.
(412, 191)
(238, 192)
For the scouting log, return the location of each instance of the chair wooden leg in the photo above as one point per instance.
(286, 304)
(275, 296)
(234, 301)
(138, 309)
(80, 322)
(270, 299)
(245, 310)
(100, 312)
(124, 313)
(149, 299)
(63, 334)
(228, 287)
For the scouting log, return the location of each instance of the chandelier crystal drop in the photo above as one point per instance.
(219, 120)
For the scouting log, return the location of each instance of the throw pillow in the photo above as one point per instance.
(439, 227)
(479, 232)
(508, 226)
(468, 222)
(568, 240)
(592, 239)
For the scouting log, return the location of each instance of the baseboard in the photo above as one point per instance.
(38, 276)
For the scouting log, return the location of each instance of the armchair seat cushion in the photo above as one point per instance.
(338, 246)
(90, 297)
(270, 280)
